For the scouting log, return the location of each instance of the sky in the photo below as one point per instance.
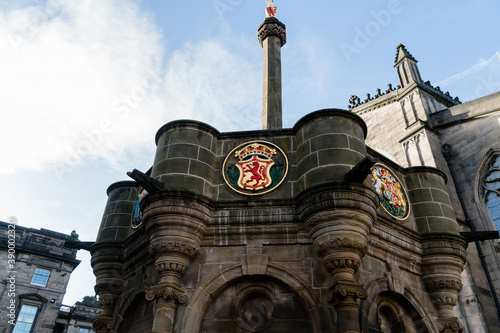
(85, 84)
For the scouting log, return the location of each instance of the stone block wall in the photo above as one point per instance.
(43, 249)
(471, 131)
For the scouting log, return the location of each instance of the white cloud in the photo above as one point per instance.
(65, 68)
(211, 83)
(89, 80)
(483, 77)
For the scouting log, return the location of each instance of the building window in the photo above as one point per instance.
(25, 319)
(41, 277)
(491, 184)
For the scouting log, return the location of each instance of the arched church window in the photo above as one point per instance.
(491, 185)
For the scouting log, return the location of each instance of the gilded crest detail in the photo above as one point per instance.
(391, 192)
(255, 168)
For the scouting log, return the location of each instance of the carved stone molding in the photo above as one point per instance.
(108, 287)
(159, 247)
(444, 301)
(272, 27)
(167, 291)
(350, 263)
(107, 300)
(174, 267)
(336, 244)
(433, 285)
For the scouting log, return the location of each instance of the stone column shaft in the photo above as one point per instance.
(272, 36)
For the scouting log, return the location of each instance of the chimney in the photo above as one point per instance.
(272, 36)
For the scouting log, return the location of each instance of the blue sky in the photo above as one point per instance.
(86, 84)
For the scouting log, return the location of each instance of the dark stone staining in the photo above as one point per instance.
(308, 163)
(420, 195)
(329, 141)
(183, 150)
(339, 156)
(427, 209)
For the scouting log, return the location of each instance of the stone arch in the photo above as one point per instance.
(135, 310)
(202, 298)
(414, 316)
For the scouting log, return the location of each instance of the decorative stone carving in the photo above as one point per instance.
(442, 262)
(272, 27)
(452, 325)
(346, 289)
(349, 264)
(168, 291)
(173, 267)
(110, 287)
(432, 285)
(103, 325)
(180, 248)
(339, 243)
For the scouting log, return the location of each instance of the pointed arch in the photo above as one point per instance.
(487, 189)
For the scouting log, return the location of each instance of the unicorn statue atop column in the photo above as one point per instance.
(271, 9)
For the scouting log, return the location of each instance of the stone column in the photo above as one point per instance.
(272, 36)
(443, 261)
(107, 266)
(339, 221)
(175, 224)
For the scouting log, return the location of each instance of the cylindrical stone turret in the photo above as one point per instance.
(443, 248)
(272, 36)
(185, 156)
(106, 252)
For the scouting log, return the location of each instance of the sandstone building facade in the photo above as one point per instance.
(36, 267)
(333, 225)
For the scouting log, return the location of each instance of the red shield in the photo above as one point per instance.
(255, 173)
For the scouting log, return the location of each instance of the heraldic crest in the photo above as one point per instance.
(391, 192)
(255, 168)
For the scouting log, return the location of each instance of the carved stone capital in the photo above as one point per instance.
(450, 325)
(343, 290)
(103, 324)
(272, 27)
(167, 291)
(164, 247)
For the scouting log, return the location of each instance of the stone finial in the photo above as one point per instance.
(402, 53)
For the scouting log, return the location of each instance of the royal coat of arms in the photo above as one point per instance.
(255, 168)
(137, 213)
(391, 193)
